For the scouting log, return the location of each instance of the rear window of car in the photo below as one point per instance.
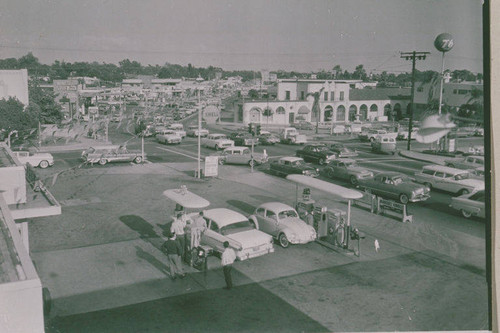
(428, 172)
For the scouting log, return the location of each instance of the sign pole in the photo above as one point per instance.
(199, 136)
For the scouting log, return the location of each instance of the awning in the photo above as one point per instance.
(186, 199)
(303, 110)
(335, 190)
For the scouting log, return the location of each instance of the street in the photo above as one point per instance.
(111, 231)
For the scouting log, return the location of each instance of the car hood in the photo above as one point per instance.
(410, 186)
(476, 183)
(296, 225)
(250, 238)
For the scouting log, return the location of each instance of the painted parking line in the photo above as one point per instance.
(179, 153)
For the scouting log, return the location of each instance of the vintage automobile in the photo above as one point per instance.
(241, 155)
(243, 139)
(292, 165)
(268, 139)
(104, 156)
(217, 141)
(193, 131)
(346, 168)
(283, 223)
(159, 129)
(466, 163)
(395, 185)
(304, 125)
(42, 160)
(227, 225)
(342, 151)
(384, 143)
(370, 135)
(317, 152)
(448, 179)
(470, 204)
(168, 136)
(290, 135)
(403, 133)
(179, 129)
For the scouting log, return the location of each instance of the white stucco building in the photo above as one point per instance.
(14, 83)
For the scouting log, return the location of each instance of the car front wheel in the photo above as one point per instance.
(463, 191)
(138, 159)
(354, 180)
(466, 214)
(103, 161)
(43, 164)
(283, 241)
(403, 198)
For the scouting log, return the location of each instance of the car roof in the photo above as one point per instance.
(275, 206)
(443, 169)
(390, 174)
(224, 216)
(291, 158)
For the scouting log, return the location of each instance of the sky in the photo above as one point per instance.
(300, 35)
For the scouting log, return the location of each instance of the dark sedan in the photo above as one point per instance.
(292, 165)
(317, 153)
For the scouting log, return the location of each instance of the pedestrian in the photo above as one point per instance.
(178, 227)
(228, 257)
(172, 249)
(198, 226)
(310, 218)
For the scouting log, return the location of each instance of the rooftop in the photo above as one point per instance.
(379, 94)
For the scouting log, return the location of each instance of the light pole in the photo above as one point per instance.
(8, 138)
(199, 136)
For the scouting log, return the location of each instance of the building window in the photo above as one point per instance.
(325, 96)
(341, 95)
(332, 96)
(302, 95)
(455, 91)
(287, 95)
(280, 110)
(341, 112)
(462, 92)
(420, 89)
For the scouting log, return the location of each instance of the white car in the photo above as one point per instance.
(371, 134)
(241, 155)
(448, 179)
(193, 131)
(179, 129)
(470, 204)
(217, 141)
(227, 225)
(168, 136)
(42, 160)
(467, 163)
(283, 223)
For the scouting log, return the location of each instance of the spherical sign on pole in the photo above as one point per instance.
(444, 42)
(210, 114)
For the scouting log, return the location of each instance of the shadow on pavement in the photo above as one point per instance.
(263, 198)
(241, 205)
(152, 260)
(140, 225)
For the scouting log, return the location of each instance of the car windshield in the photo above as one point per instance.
(351, 164)
(298, 162)
(222, 136)
(461, 176)
(236, 227)
(399, 179)
(287, 213)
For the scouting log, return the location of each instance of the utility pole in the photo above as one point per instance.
(198, 172)
(413, 56)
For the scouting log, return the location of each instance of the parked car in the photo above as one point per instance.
(466, 163)
(121, 154)
(384, 143)
(304, 125)
(342, 151)
(395, 185)
(227, 225)
(244, 139)
(470, 204)
(178, 128)
(370, 135)
(292, 165)
(168, 136)
(42, 160)
(241, 155)
(318, 153)
(217, 141)
(92, 152)
(347, 169)
(479, 132)
(403, 133)
(448, 179)
(193, 131)
(283, 223)
(268, 139)
(290, 135)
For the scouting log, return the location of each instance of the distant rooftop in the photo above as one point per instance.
(379, 94)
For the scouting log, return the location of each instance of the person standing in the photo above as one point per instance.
(172, 249)
(177, 228)
(198, 226)
(228, 258)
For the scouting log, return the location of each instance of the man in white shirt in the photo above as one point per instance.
(198, 226)
(178, 227)
(228, 258)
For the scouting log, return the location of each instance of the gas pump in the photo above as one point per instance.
(357, 235)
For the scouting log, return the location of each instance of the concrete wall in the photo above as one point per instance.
(13, 184)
